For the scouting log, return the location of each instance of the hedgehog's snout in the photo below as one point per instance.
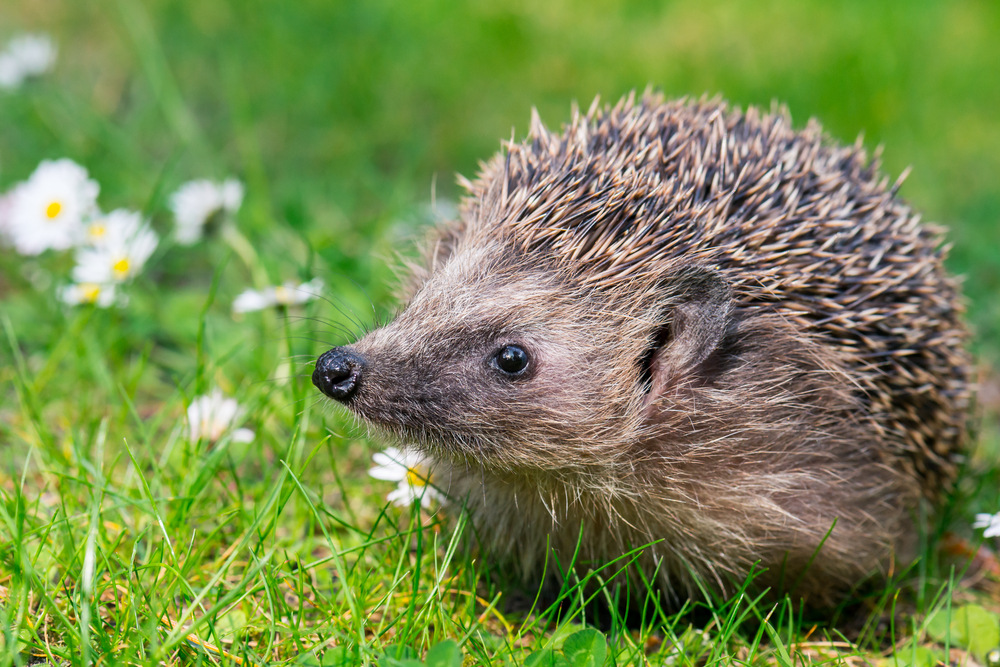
(338, 373)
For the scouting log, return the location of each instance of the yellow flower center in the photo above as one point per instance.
(120, 267)
(211, 429)
(52, 210)
(89, 292)
(97, 231)
(415, 477)
(282, 295)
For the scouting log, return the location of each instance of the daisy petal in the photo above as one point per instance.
(210, 416)
(243, 435)
(251, 300)
(196, 202)
(388, 474)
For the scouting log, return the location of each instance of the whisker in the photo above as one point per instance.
(352, 317)
(282, 378)
(299, 400)
(314, 404)
(336, 327)
(320, 320)
(358, 285)
(314, 340)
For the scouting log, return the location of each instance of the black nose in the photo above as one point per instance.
(338, 373)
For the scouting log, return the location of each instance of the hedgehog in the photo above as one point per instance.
(681, 333)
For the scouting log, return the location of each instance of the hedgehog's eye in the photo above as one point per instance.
(511, 359)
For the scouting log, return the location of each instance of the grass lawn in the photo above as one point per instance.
(127, 539)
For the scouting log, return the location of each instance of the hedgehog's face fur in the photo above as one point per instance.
(503, 360)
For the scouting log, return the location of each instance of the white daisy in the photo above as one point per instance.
(210, 416)
(25, 56)
(102, 296)
(991, 522)
(48, 210)
(196, 202)
(412, 472)
(95, 230)
(107, 229)
(125, 243)
(288, 294)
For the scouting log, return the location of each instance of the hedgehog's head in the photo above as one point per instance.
(547, 331)
(505, 358)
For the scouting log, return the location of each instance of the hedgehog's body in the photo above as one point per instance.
(682, 324)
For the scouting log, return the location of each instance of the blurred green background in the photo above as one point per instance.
(342, 119)
(339, 116)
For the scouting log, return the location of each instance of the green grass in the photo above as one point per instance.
(123, 542)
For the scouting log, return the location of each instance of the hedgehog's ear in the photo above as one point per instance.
(694, 321)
